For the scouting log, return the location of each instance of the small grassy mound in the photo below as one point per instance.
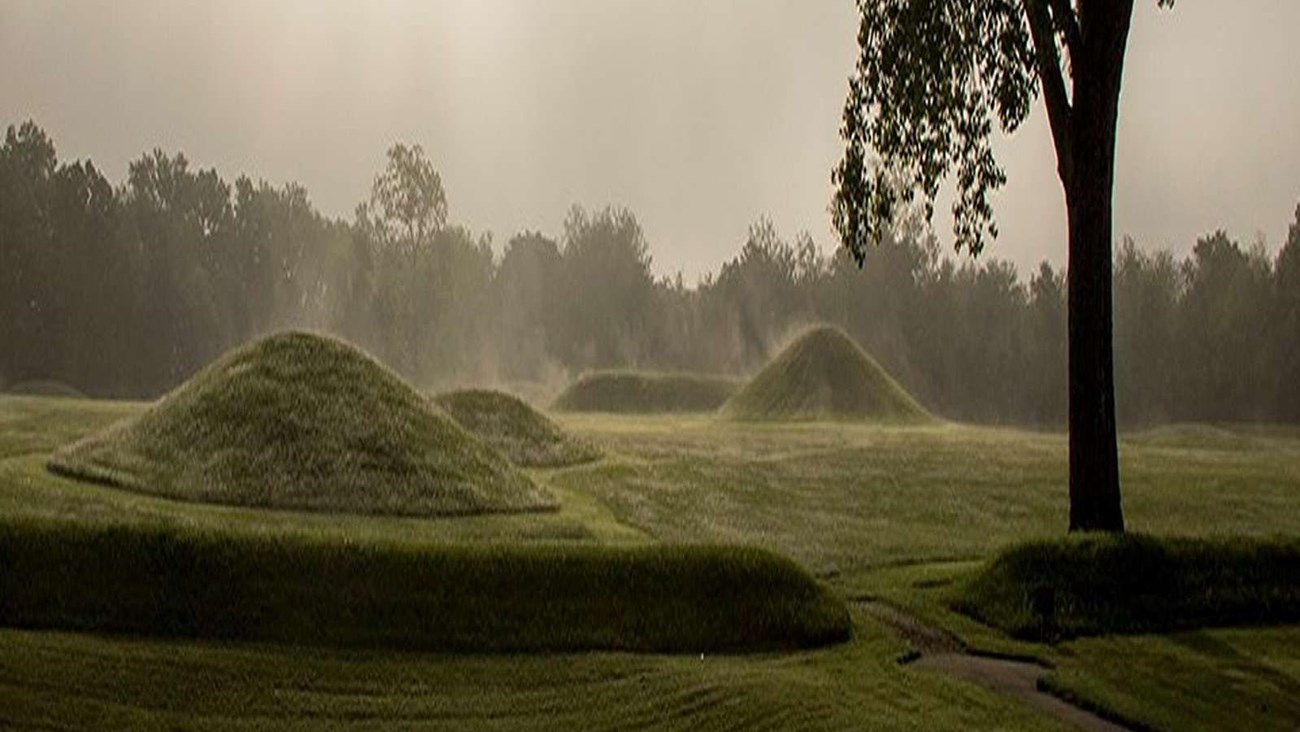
(824, 375)
(645, 393)
(303, 421)
(510, 425)
(1093, 585)
(503, 598)
(45, 388)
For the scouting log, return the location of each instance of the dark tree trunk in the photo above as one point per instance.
(1089, 182)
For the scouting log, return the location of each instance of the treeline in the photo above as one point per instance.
(125, 291)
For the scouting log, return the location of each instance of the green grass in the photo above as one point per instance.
(497, 598)
(44, 388)
(303, 421)
(524, 435)
(74, 681)
(900, 513)
(1208, 680)
(636, 392)
(823, 374)
(1101, 584)
(1213, 679)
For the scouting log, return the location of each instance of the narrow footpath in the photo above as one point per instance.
(940, 651)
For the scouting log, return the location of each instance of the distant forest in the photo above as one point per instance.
(126, 291)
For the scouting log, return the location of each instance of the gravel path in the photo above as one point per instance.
(940, 651)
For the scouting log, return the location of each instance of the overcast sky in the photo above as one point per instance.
(698, 115)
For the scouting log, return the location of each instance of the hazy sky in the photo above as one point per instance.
(698, 115)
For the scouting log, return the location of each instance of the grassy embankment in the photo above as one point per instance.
(502, 598)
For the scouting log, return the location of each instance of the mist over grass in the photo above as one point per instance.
(127, 290)
(633, 392)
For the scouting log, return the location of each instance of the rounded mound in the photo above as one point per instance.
(303, 421)
(471, 598)
(510, 425)
(645, 393)
(824, 375)
(45, 388)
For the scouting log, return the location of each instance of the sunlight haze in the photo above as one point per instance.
(698, 117)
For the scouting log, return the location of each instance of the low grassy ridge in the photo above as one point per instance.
(823, 374)
(503, 598)
(44, 388)
(303, 421)
(1094, 585)
(507, 423)
(635, 392)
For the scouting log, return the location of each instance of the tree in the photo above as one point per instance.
(407, 205)
(930, 79)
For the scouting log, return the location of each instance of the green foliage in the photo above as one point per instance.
(823, 374)
(303, 421)
(510, 425)
(929, 80)
(1094, 585)
(645, 393)
(407, 205)
(466, 598)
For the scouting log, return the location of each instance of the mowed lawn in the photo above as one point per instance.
(896, 513)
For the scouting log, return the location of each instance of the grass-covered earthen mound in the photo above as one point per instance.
(635, 392)
(823, 374)
(45, 388)
(303, 421)
(501, 598)
(510, 425)
(1095, 585)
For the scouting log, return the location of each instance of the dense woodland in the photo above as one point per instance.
(125, 291)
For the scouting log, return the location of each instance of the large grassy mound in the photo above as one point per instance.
(645, 393)
(45, 388)
(1094, 585)
(186, 583)
(510, 425)
(824, 375)
(303, 421)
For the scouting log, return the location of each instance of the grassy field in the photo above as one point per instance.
(641, 392)
(902, 513)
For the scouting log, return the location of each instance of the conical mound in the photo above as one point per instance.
(509, 424)
(303, 421)
(824, 375)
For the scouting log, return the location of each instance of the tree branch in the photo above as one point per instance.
(1067, 22)
(1059, 113)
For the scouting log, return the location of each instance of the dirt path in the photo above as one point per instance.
(940, 651)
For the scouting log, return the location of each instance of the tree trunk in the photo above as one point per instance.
(1089, 184)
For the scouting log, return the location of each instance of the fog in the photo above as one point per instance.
(589, 153)
(698, 117)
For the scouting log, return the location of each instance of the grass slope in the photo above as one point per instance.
(303, 421)
(510, 425)
(823, 374)
(1095, 585)
(175, 582)
(633, 392)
